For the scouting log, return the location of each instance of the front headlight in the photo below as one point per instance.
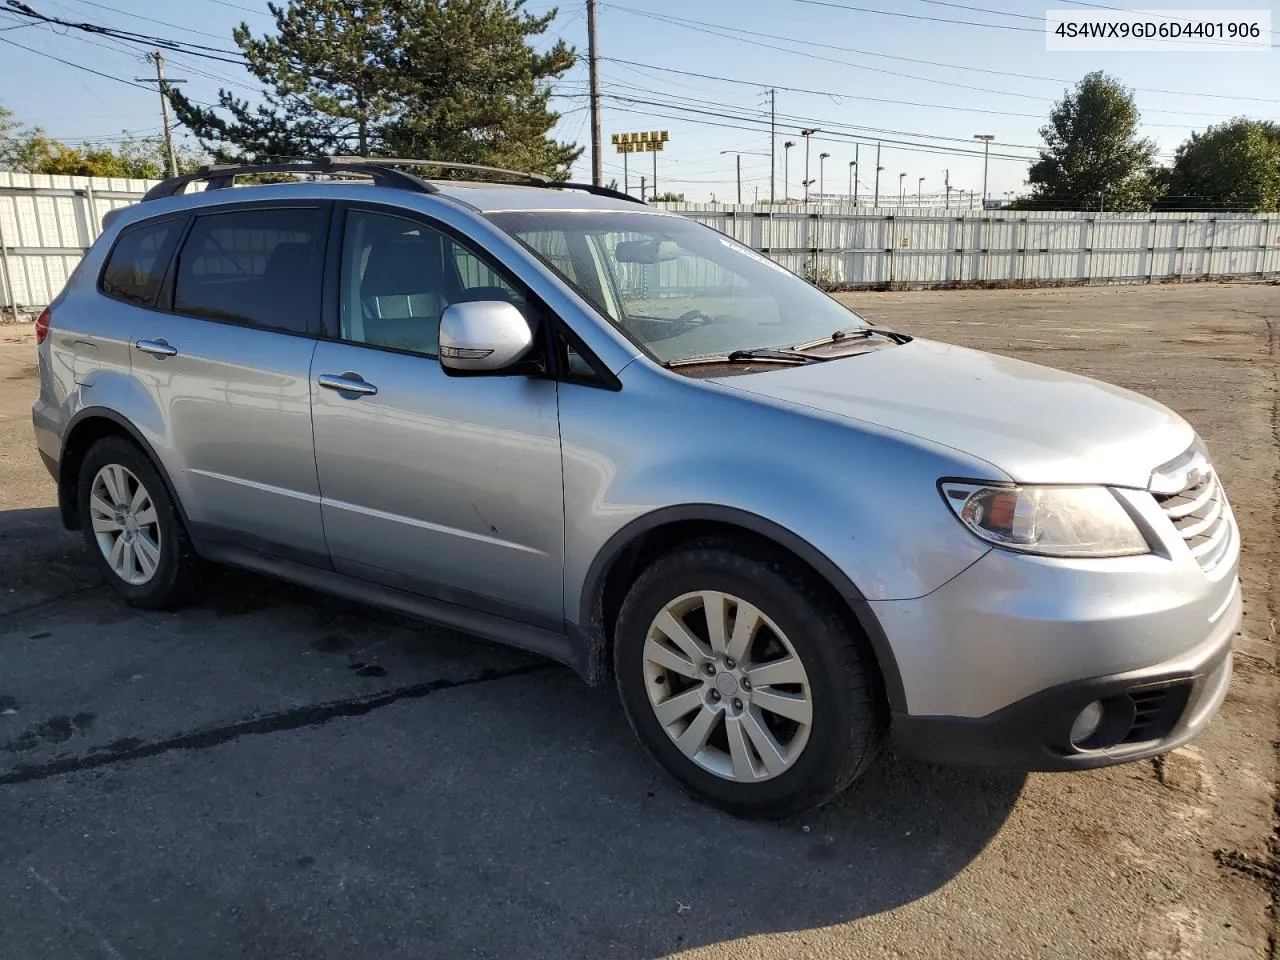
(1050, 521)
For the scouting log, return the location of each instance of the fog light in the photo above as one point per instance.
(1087, 723)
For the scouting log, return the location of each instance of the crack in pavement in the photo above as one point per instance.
(312, 715)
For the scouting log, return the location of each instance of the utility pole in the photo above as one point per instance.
(739, 153)
(986, 139)
(655, 173)
(626, 175)
(856, 175)
(876, 202)
(163, 84)
(773, 144)
(593, 65)
(807, 133)
(946, 175)
(786, 170)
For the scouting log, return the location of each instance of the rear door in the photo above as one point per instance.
(227, 363)
(446, 486)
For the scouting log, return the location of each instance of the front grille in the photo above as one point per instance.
(1156, 711)
(1200, 514)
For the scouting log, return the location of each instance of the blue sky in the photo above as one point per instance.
(915, 85)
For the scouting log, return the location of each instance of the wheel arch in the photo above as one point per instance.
(84, 430)
(643, 539)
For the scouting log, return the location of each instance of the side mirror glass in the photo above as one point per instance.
(483, 336)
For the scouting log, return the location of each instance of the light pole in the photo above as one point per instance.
(879, 170)
(946, 179)
(853, 166)
(986, 139)
(854, 190)
(821, 162)
(902, 189)
(807, 133)
(920, 192)
(786, 182)
(739, 153)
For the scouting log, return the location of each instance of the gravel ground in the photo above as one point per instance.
(273, 774)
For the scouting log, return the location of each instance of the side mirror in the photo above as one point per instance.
(483, 336)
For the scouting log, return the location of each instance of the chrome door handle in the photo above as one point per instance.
(157, 348)
(346, 383)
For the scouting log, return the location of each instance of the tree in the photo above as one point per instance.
(1233, 165)
(33, 151)
(441, 79)
(1092, 152)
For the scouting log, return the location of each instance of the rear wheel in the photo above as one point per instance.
(132, 527)
(744, 680)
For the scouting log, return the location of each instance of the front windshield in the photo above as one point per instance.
(677, 288)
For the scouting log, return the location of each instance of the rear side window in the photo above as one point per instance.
(135, 267)
(260, 268)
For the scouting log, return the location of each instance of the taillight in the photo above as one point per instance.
(42, 325)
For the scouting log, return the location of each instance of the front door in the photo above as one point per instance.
(445, 486)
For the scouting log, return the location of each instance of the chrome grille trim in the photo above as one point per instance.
(1199, 511)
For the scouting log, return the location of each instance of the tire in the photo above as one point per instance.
(155, 566)
(846, 721)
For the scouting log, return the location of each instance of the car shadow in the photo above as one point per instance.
(519, 792)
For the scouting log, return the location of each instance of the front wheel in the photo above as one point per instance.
(744, 681)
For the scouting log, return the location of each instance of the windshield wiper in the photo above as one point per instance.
(853, 333)
(761, 355)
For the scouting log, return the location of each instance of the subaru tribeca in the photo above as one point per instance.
(561, 419)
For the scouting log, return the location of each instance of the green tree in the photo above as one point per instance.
(441, 79)
(33, 151)
(1092, 151)
(1235, 165)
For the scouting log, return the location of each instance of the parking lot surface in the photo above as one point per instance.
(269, 773)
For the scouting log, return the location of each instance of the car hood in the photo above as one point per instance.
(1036, 424)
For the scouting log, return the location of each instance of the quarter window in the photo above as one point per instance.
(255, 267)
(135, 267)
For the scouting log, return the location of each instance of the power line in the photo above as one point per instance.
(78, 66)
(881, 132)
(714, 29)
(916, 16)
(827, 93)
(25, 10)
(655, 109)
(138, 16)
(237, 6)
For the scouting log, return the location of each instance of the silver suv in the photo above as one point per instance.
(560, 419)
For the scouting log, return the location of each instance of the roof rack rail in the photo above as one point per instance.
(381, 170)
(219, 176)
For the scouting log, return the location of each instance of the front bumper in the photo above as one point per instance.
(1146, 712)
(998, 663)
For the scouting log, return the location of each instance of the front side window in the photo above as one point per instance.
(255, 267)
(675, 287)
(135, 267)
(399, 275)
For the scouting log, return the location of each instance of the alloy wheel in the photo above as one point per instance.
(727, 686)
(125, 524)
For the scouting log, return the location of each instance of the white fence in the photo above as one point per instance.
(930, 247)
(46, 224)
